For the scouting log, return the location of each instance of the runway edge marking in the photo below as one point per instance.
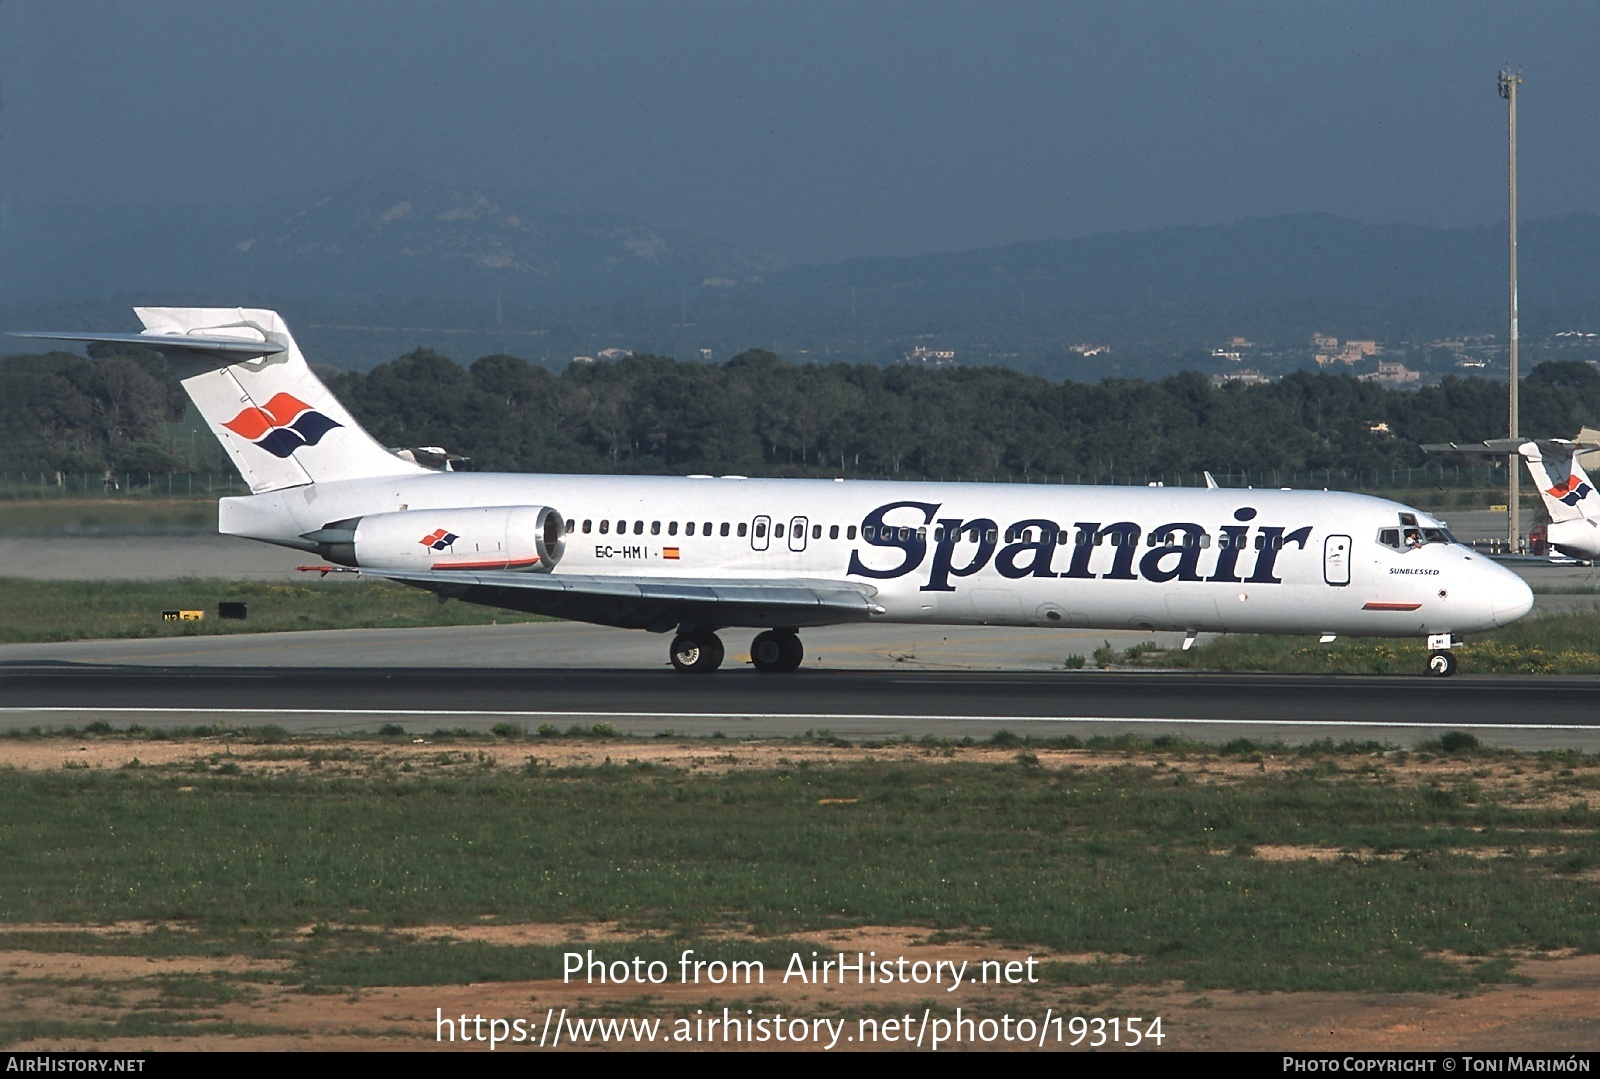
(448, 712)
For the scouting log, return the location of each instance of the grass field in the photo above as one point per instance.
(83, 610)
(1563, 643)
(174, 883)
(105, 515)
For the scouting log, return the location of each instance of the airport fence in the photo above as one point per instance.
(121, 484)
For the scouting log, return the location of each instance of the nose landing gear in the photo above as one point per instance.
(1441, 664)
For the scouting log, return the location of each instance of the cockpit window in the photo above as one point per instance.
(1410, 535)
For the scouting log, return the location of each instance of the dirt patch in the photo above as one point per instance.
(71, 965)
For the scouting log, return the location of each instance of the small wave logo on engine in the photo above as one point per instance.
(282, 425)
(438, 539)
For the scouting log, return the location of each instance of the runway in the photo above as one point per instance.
(860, 682)
(859, 705)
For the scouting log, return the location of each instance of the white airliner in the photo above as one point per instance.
(1571, 501)
(697, 555)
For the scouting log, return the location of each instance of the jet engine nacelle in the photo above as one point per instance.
(523, 538)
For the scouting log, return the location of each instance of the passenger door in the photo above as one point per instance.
(1336, 560)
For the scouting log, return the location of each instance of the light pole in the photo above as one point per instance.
(1509, 81)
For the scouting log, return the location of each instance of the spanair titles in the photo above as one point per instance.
(945, 547)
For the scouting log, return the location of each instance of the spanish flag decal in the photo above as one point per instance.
(669, 552)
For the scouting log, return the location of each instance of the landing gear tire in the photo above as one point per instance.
(776, 651)
(697, 653)
(1441, 664)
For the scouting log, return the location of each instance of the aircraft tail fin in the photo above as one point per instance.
(1568, 497)
(279, 424)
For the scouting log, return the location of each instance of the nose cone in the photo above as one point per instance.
(1509, 597)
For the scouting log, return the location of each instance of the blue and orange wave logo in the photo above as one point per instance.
(1571, 491)
(282, 425)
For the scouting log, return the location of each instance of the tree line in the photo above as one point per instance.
(762, 416)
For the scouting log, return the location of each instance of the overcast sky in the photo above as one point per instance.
(815, 130)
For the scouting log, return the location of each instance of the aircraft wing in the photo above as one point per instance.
(654, 603)
(1512, 445)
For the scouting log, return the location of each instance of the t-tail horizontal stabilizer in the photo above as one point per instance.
(242, 369)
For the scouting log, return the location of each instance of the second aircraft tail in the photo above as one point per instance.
(1567, 497)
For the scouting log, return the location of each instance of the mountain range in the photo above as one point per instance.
(372, 261)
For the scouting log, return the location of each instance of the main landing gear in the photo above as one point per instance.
(700, 651)
(1441, 664)
(776, 651)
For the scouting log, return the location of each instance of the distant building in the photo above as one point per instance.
(1224, 354)
(583, 359)
(1245, 376)
(936, 356)
(1086, 350)
(1328, 351)
(613, 354)
(1392, 373)
(705, 354)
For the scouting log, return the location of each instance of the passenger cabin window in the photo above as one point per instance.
(833, 531)
(655, 528)
(586, 527)
(638, 528)
(605, 527)
(816, 531)
(688, 529)
(725, 528)
(761, 530)
(850, 532)
(672, 528)
(777, 530)
(742, 528)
